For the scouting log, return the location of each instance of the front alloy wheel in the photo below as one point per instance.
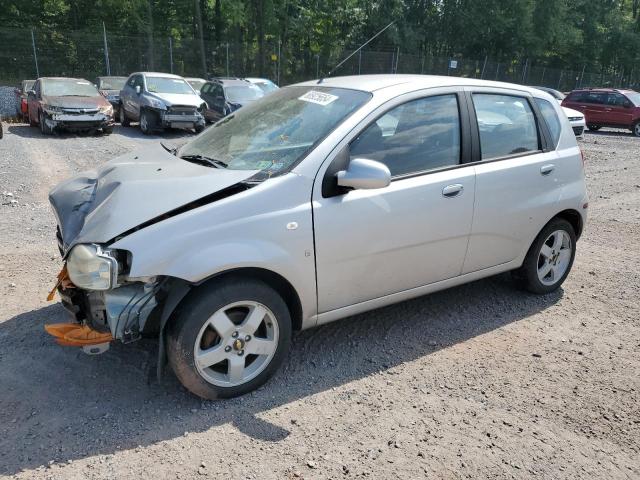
(636, 129)
(228, 337)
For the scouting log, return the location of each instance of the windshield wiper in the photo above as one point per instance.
(204, 160)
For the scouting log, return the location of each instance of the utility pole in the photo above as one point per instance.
(227, 45)
(278, 65)
(151, 64)
(484, 65)
(35, 55)
(200, 37)
(317, 65)
(170, 55)
(106, 49)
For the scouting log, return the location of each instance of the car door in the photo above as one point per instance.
(517, 180)
(136, 98)
(373, 243)
(593, 106)
(33, 104)
(218, 102)
(616, 112)
(206, 93)
(126, 95)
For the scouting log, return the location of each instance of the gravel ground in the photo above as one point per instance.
(480, 381)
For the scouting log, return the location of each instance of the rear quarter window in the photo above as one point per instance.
(551, 118)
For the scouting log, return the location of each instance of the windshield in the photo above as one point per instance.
(196, 84)
(168, 85)
(273, 133)
(68, 87)
(112, 83)
(634, 97)
(242, 93)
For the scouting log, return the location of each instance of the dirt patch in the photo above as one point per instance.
(478, 381)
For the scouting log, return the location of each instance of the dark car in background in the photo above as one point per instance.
(607, 107)
(109, 88)
(68, 103)
(22, 105)
(226, 95)
(159, 101)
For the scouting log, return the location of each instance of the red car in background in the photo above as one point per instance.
(22, 106)
(607, 107)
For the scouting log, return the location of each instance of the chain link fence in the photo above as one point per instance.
(29, 53)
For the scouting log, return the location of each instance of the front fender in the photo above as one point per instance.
(268, 226)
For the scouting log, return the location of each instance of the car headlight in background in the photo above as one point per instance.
(157, 104)
(107, 109)
(575, 119)
(92, 268)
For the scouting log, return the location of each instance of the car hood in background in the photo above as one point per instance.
(97, 206)
(75, 102)
(192, 100)
(570, 112)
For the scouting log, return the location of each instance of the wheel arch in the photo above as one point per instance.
(574, 218)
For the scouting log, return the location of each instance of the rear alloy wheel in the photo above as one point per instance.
(636, 129)
(229, 338)
(594, 128)
(549, 259)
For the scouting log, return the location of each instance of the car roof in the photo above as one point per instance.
(157, 74)
(111, 76)
(231, 81)
(258, 80)
(63, 78)
(195, 78)
(604, 90)
(371, 83)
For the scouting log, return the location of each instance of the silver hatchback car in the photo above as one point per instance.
(322, 200)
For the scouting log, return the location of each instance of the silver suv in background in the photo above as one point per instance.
(160, 100)
(317, 202)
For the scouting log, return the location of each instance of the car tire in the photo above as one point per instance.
(147, 122)
(636, 129)
(199, 128)
(124, 121)
(549, 259)
(594, 128)
(218, 319)
(44, 128)
(107, 130)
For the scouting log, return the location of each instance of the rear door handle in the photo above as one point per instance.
(452, 190)
(547, 169)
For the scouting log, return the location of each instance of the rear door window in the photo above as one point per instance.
(551, 117)
(506, 124)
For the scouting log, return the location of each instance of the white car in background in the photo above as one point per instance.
(576, 118)
(196, 83)
(266, 85)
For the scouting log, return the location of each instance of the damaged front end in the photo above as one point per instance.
(104, 303)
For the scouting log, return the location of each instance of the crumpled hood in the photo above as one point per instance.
(190, 99)
(75, 102)
(98, 205)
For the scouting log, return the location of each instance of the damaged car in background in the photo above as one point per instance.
(159, 101)
(109, 88)
(68, 103)
(300, 209)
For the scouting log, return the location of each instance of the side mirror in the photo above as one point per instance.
(138, 89)
(364, 174)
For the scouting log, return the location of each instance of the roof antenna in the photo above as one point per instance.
(354, 52)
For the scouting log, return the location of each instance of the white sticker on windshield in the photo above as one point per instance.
(319, 98)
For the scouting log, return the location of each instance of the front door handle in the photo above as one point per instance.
(547, 169)
(452, 190)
